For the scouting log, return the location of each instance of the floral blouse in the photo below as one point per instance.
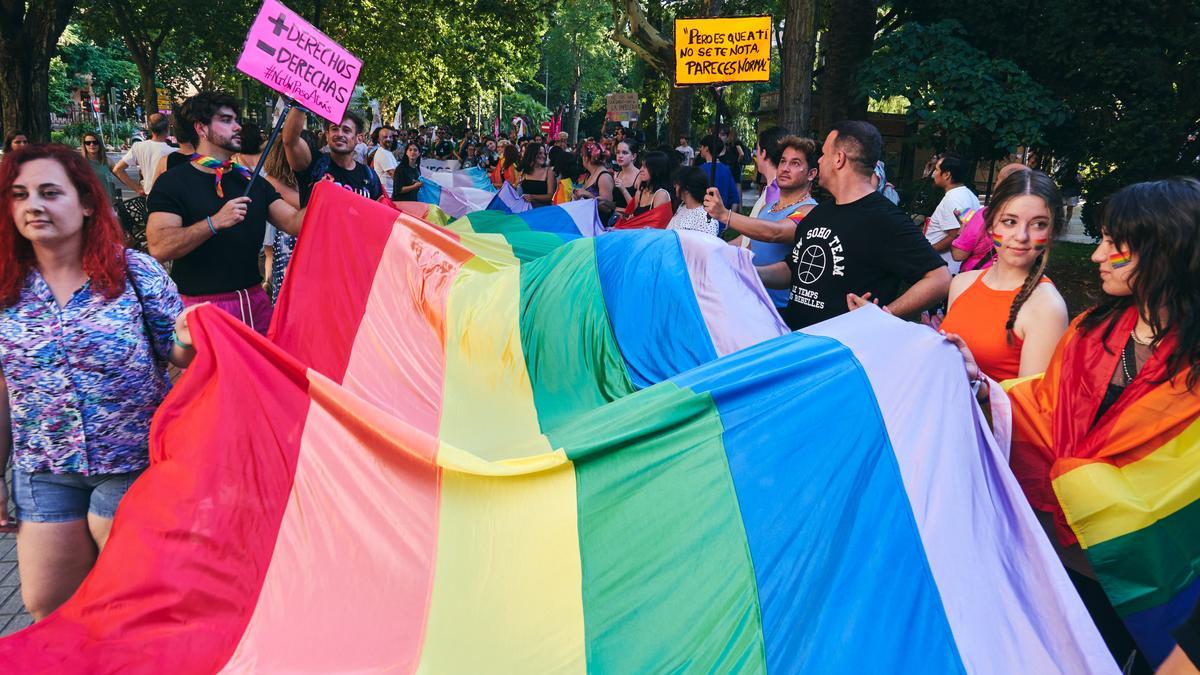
(84, 380)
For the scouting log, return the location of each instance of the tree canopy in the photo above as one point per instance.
(961, 97)
(441, 55)
(1125, 72)
(1100, 89)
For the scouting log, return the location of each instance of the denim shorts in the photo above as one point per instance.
(57, 498)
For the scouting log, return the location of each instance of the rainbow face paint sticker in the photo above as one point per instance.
(1040, 243)
(1119, 260)
(997, 240)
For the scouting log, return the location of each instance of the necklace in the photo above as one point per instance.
(1125, 366)
(779, 206)
(1133, 334)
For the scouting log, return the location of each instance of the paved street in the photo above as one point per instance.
(12, 613)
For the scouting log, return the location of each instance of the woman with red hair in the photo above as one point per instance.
(85, 334)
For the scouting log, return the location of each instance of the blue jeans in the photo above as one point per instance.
(58, 498)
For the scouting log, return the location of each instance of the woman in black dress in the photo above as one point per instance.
(537, 179)
(408, 175)
(625, 180)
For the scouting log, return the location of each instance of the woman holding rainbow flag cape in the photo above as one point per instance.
(1107, 440)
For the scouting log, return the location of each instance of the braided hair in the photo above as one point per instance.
(1020, 184)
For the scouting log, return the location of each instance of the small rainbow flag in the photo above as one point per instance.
(1118, 259)
(997, 240)
(565, 191)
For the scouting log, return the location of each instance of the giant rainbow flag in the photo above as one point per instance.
(610, 458)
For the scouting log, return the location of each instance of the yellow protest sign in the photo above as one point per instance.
(722, 50)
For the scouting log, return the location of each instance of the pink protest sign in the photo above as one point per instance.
(284, 52)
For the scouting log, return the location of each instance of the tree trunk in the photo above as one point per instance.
(721, 105)
(143, 49)
(850, 38)
(652, 82)
(648, 121)
(799, 47)
(146, 66)
(575, 105)
(679, 115)
(27, 43)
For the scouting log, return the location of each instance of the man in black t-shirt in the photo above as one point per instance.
(200, 220)
(444, 148)
(860, 247)
(338, 165)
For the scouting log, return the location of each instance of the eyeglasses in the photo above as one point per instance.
(91, 142)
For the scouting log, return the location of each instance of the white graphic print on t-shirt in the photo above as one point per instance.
(821, 253)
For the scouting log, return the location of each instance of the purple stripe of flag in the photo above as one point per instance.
(732, 300)
(1009, 602)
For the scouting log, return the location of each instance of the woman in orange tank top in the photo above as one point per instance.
(1010, 315)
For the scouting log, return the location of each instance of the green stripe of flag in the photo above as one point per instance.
(668, 583)
(575, 369)
(1146, 568)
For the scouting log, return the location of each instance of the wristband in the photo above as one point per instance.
(976, 384)
(211, 227)
(180, 343)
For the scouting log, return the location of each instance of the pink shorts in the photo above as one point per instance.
(251, 306)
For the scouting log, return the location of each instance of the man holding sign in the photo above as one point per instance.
(338, 165)
(289, 55)
(200, 220)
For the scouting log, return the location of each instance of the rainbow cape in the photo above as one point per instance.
(612, 458)
(1126, 489)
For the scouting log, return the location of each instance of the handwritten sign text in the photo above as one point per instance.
(722, 50)
(284, 52)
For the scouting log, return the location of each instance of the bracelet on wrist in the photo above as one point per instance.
(211, 228)
(180, 343)
(976, 384)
